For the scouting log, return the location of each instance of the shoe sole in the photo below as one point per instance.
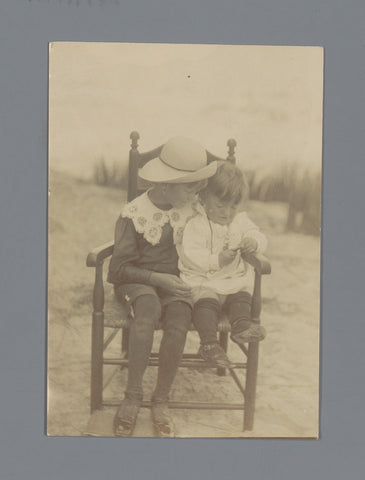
(242, 341)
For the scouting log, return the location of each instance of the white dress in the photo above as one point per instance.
(202, 242)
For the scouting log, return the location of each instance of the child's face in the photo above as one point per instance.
(181, 194)
(219, 211)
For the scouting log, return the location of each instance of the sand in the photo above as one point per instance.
(82, 216)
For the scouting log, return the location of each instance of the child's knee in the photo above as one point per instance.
(147, 305)
(239, 306)
(177, 317)
(207, 303)
(147, 311)
(239, 297)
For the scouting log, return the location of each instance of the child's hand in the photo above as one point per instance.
(226, 257)
(171, 283)
(248, 245)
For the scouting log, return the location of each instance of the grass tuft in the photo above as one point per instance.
(297, 185)
(106, 175)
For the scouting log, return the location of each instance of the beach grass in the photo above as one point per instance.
(295, 183)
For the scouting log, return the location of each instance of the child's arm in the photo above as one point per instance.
(125, 254)
(252, 239)
(123, 267)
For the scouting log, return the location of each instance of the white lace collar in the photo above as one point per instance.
(149, 219)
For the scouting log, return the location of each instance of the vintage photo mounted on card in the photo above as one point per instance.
(184, 240)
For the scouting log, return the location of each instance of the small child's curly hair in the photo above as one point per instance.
(228, 184)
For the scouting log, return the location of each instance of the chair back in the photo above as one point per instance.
(137, 160)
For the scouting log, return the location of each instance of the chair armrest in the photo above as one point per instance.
(99, 254)
(260, 263)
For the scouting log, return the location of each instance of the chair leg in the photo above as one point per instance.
(96, 394)
(125, 341)
(250, 388)
(223, 341)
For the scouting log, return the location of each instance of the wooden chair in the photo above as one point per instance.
(107, 321)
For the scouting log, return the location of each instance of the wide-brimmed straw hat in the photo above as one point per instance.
(181, 160)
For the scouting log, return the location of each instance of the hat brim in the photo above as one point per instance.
(158, 172)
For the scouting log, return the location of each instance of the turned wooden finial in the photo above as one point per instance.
(231, 143)
(134, 136)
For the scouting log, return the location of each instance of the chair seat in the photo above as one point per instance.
(116, 315)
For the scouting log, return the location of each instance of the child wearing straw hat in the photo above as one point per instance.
(144, 271)
(212, 263)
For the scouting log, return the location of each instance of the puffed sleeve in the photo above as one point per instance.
(196, 252)
(123, 267)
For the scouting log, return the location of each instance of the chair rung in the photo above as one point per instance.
(185, 355)
(153, 362)
(185, 405)
(110, 338)
(237, 381)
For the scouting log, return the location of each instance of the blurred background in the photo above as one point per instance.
(269, 99)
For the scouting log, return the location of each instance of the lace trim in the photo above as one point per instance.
(149, 219)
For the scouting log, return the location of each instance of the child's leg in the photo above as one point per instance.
(238, 306)
(205, 319)
(176, 321)
(147, 312)
(207, 305)
(243, 329)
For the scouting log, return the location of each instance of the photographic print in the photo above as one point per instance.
(184, 240)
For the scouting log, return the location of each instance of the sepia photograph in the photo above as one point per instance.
(184, 240)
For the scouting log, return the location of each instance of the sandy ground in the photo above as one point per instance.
(82, 216)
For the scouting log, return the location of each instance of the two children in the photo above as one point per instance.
(144, 271)
(173, 254)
